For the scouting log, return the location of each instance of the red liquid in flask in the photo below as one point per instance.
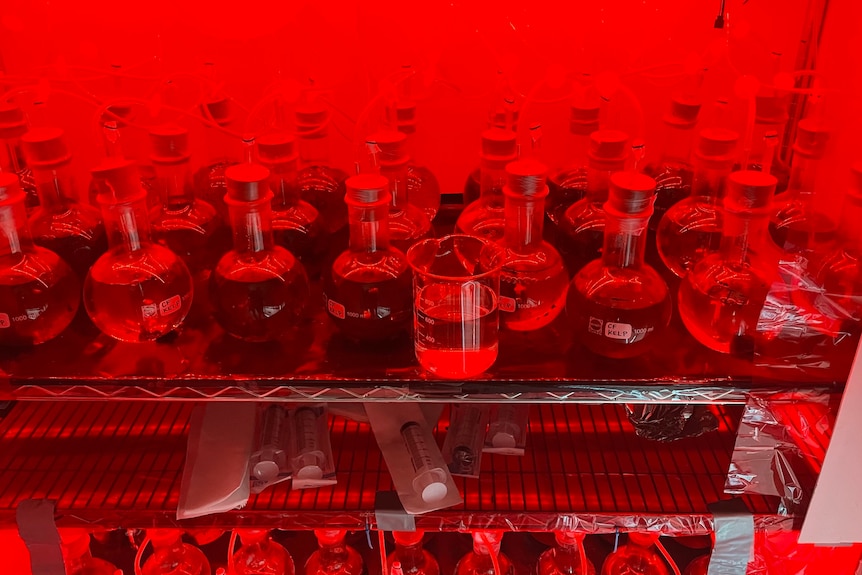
(258, 290)
(39, 293)
(368, 290)
(260, 555)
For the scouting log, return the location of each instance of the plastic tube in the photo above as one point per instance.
(231, 547)
(747, 87)
(674, 567)
(139, 555)
(495, 561)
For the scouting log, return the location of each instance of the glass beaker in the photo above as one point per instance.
(456, 285)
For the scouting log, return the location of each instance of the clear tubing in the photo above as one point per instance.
(495, 561)
(429, 481)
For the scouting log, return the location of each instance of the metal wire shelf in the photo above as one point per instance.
(120, 464)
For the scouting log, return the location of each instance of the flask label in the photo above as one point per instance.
(615, 330)
(4, 321)
(506, 304)
(170, 305)
(335, 309)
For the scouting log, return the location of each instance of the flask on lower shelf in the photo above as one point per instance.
(333, 557)
(699, 566)
(567, 557)
(173, 557)
(138, 290)
(636, 556)
(258, 290)
(39, 292)
(77, 557)
(414, 559)
(260, 555)
(619, 305)
(367, 292)
(485, 558)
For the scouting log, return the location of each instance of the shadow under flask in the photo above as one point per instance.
(258, 290)
(13, 125)
(407, 223)
(619, 305)
(485, 216)
(796, 225)
(296, 224)
(368, 292)
(39, 293)
(479, 561)
(187, 225)
(260, 555)
(61, 223)
(569, 184)
(581, 230)
(636, 556)
(138, 290)
(691, 228)
(333, 557)
(171, 556)
(414, 559)
(721, 298)
(533, 280)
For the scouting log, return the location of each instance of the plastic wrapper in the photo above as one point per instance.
(803, 327)
(779, 448)
(664, 422)
(310, 451)
(507, 429)
(462, 448)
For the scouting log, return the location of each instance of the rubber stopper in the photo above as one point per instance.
(252, 536)
(405, 115)
(310, 117)
(330, 537)
(811, 138)
(716, 143)
(527, 177)
(45, 147)
(391, 144)
(566, 538)
(631, 192)
(683, 112)
(408, 538)
(13, 122)
(643, 539)
(170, 144)
(609, 145)
(219, 109)
(583, 118)
(771, 109)
(277, 148)
(499, 144)
(504, 118)
(367, 189)
(247, 182)
(10, 188)
(118, 180)
(749, 189)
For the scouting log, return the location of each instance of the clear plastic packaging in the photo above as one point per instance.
(508, 425)
(269, 461)
(462, 448)
(620, 306)
(533, 281)
(39, 292)
(62, 223)
(333, 557)
(310, 455)
(258, 290)
(367, 293)
(138, 290)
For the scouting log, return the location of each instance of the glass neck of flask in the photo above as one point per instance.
(743, 233)
(252, 226)
(525, 218)
(55, 187)
(283, 185)
(707, 183)
(803, 176)
(175, 185)
(314, 148)
(677, 145)
(759, 148)
(599, 181)
(492, 177)
(14, 233)
(10, 156)
(397, 176)
(127, 223)
(369, 228)
(624, 242)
